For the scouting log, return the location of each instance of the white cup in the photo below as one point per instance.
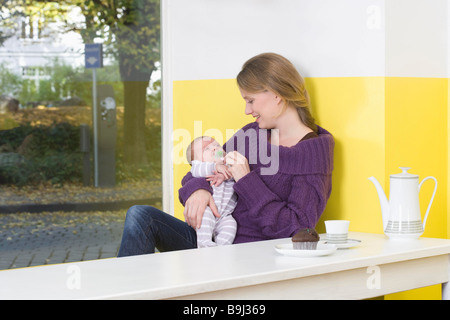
(337, 231)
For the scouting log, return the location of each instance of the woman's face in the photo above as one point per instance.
(264, 106)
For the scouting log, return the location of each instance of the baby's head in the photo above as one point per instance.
(205, 149)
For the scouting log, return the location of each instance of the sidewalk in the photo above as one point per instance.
(71, 223)
(47, 238)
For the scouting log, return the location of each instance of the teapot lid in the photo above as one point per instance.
(405, 174)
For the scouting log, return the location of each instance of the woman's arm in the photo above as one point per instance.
(189, 184)
(278, 218)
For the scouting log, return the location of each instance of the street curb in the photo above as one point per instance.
(77, 207)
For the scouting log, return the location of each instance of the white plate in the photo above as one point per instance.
(322, 250)
(349, 244)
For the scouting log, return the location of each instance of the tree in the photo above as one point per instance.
(131, 28)
(14, 15)
(43, 11)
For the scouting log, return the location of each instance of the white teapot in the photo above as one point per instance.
(401, 214)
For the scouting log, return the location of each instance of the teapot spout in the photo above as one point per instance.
(384, 203)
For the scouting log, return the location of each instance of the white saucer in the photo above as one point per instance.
(323, 249)
(349, 244)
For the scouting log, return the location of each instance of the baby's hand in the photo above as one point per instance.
(216, 179)
(223, 169)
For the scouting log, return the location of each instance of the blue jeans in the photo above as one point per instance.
(147, 227)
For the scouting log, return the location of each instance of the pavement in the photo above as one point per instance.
(33, 239)
(57, 225)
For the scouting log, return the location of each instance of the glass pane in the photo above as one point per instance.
(65, 183)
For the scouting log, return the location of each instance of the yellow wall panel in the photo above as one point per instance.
(352, 109)
(416, 137)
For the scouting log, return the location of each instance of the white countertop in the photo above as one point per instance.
(179, 273)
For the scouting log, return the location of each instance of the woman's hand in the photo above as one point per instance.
(237, 165)
(195, 207)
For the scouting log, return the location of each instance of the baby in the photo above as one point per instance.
(207, 159)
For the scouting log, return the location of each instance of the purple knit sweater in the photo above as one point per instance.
(286, 190)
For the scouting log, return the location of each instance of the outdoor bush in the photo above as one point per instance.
(51, 155)
(60, 138)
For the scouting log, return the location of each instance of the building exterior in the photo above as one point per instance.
(34, 45)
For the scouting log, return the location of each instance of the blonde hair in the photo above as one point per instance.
(270, 71)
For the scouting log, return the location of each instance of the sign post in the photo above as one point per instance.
(93, 56)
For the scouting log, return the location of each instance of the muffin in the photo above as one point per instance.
(305, 239)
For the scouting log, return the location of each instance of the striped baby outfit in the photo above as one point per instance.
(216, 231)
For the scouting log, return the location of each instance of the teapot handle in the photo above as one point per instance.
(432, 197)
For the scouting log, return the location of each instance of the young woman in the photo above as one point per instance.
(282, 165)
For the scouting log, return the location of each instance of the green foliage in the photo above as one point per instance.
(7, 122)
(130, 29)
(13, 138)
(66, 81)
(52, 155)
(154, 99)
(10, 83)
(43, 10)
(56, 168)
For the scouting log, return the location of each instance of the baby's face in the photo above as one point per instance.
(210, 151)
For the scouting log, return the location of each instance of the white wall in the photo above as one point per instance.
(417, 38)
(324, 38)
